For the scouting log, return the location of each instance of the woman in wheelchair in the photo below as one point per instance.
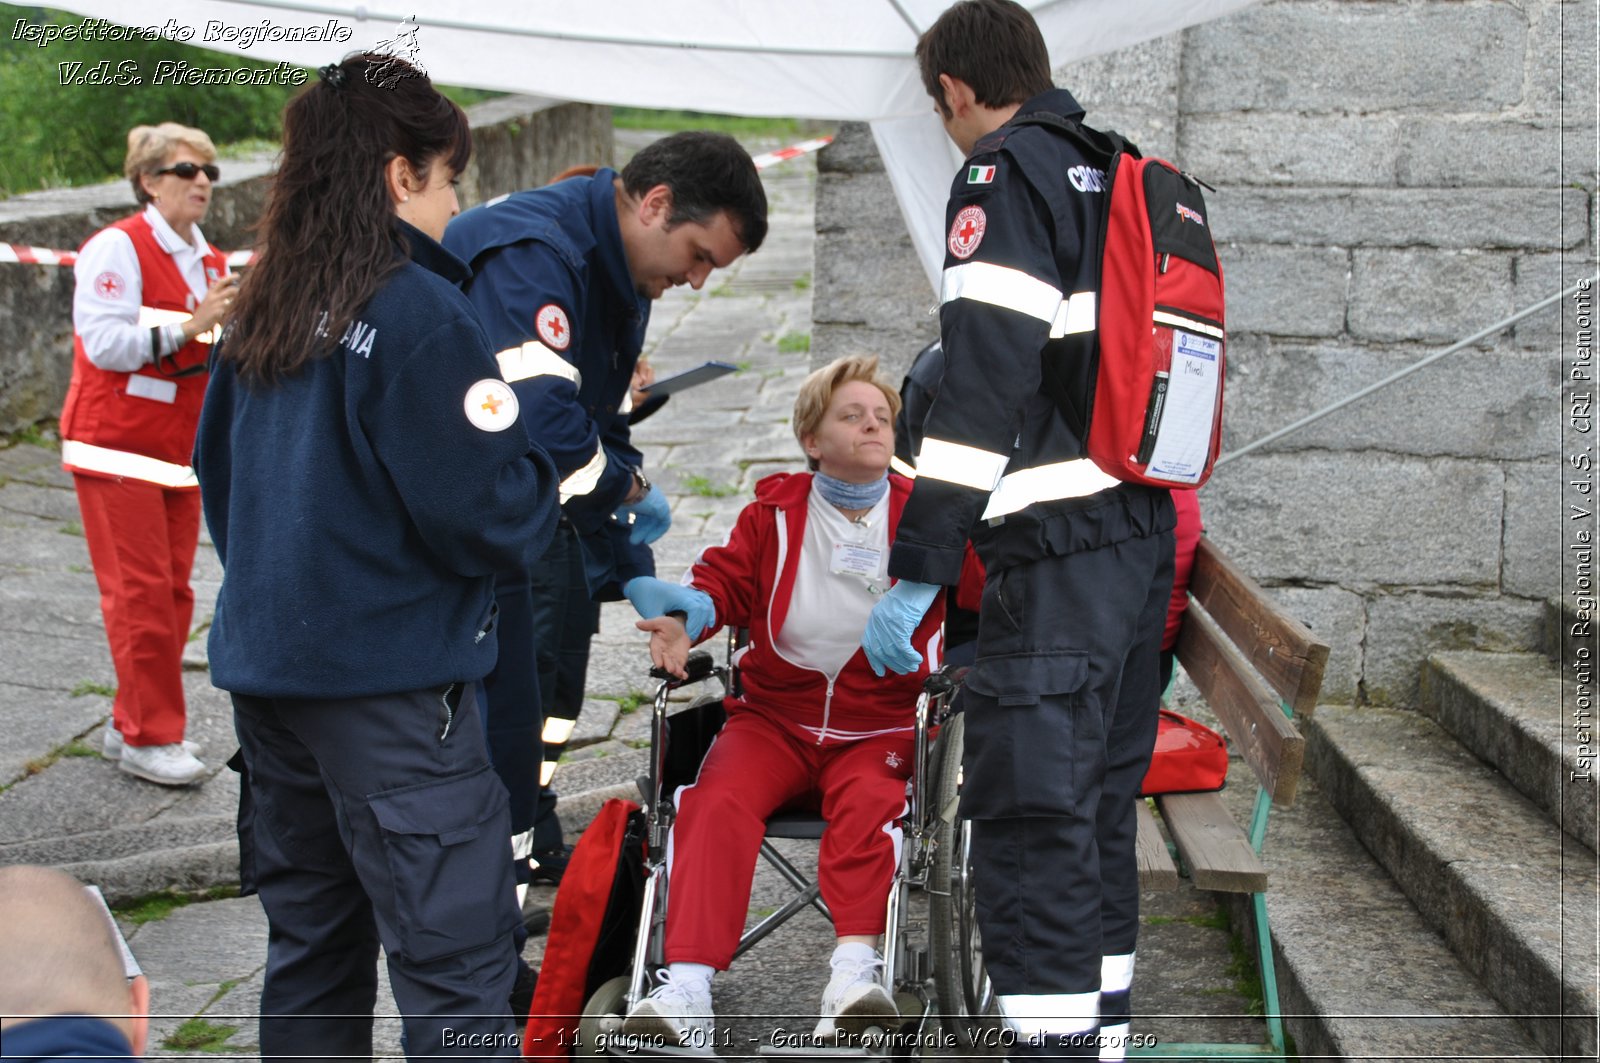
(812, 724)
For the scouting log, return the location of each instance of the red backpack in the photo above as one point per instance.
(1155, 411)
(1189, 757)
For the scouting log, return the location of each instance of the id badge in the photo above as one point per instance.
(853, 559)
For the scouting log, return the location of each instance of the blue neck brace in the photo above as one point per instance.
(846, 495)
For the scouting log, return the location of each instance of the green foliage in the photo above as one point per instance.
(198, 1035)
(802, 282)
(153, 907)
(54, 134)
(705, 488)
(631, 701)
(87, 687)
(794, 342)
(76, 748)
(72, 527)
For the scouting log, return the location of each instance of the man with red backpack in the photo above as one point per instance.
(1061, 704)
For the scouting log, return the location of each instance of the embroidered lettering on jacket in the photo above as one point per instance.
(358, 337)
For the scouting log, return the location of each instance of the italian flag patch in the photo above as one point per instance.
(980, 175)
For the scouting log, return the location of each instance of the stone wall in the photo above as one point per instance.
(1391, 178)
(518, 142)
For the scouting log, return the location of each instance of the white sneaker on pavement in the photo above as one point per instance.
(855, 1000)
(113, 745)
(169, 765)
(677, 1012)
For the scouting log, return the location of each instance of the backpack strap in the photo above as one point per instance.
(1105, 142)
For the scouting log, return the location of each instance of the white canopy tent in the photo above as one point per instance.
(826, 59)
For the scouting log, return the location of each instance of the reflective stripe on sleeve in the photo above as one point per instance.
(1075, 314)
(985, 282)
(584, 480)
(154, 317)
(1045, 483)
(908, 471)
(557, 731)
(90, 458)
(958, 463)
(535, 359)
(547, 771)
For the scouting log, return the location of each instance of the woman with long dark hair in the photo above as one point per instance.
(364, 471)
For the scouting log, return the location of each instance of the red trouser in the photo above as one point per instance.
(141, 542)
(756, 768)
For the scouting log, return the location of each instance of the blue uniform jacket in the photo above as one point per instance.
(552, 287)
(64, 1037)
(361, 506)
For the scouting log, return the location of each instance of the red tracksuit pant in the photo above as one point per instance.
(141, 542)
(755, 768)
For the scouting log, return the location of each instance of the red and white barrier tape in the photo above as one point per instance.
(43, 256)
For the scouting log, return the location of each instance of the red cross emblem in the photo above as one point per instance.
(551, 325)
(492, 404)
(966, 232)
(109, 285)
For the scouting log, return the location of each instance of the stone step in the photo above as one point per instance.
(1360, 974)
(1564, 628)
(1511, 893)
(1508, 709)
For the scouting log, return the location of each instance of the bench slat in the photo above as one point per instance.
(1216, 851)
(1156, 869)
(1248, 710)
(1284, 650)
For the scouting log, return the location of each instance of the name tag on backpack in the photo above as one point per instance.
(149, 387)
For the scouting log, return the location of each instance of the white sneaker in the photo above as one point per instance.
(677, 1012)
(169, 765)
(855, 1000)
(113, 745)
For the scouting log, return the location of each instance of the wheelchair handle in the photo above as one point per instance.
(945, 681)
(700, 665)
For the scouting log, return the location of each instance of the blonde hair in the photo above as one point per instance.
(150, 145)
(817, 391)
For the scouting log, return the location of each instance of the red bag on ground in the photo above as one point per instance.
(1189, 758)
(591, 927)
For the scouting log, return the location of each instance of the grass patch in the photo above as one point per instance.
(76, 748)
(802, 282)
(794, 342)
(81, 570)
(87, 687)
(154, 907)
(744, 366)
(705, 488)
(33, 435)
(71, 528)
(677, 121)
(198, 1035)
(630, 702)
(721, 291)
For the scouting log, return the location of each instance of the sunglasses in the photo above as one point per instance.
(188, 171)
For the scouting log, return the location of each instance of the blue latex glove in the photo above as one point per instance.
(656, 597)
(648, 519)
(894, 620)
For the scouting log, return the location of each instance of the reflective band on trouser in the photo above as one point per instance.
(958, 463)
(535, 359)
(154, 317)
(1075, 314)
(1116, 976)
(584, 480)
(908, 471)
(89, 458)
(557, 731)
(1064, 479)
(1165, 317)
(1002, 286)
(546, 773)
(1046, 1013)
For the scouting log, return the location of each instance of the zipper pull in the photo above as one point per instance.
(1163, 261)
(1191, 177)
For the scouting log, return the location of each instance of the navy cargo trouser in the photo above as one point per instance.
(1061, 713)
(379, 820)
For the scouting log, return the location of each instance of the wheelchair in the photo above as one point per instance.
(930, 941)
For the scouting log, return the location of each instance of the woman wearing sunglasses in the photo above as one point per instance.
(150, 292)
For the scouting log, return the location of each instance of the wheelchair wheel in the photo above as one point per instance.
(965, 997)
(602, 1017)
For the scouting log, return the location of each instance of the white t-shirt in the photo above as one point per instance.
(843, 571)
(105, 304)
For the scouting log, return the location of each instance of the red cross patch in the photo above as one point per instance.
(110, 285)
(491, 405)
(551, 325)
(966, 232)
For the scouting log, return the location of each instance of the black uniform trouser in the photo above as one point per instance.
(1061, 716)
(565, 618)
(511, 709)
(379, 820)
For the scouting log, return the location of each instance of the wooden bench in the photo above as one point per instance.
(1258, 669)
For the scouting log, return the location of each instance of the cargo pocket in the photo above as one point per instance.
(448, 850)
(1025, 734)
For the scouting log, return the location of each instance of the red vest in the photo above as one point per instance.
(115, 426)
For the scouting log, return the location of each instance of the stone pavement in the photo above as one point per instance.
(61, 804)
